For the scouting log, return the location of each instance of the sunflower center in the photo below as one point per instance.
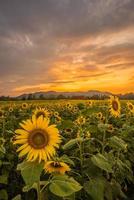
(99, 115)
(131, 107)
(68, 130)
(56, 164)
(38, 139)
(110, 127)
(115, 105)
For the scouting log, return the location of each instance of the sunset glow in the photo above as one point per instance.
(66, 46)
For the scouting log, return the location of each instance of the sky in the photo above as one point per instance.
(66, 45)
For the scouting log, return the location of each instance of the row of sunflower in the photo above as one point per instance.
(68, 150)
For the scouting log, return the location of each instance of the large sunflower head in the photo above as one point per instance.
(115, 107)
(56, 167)
(130, 107)
(41, 111)
(37, 138)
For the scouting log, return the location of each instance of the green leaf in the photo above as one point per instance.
(95, 188)
(18, 197)
(100, 161)
(71, 197)
(3, 195)
(103, 127)
(117, 143)
(64, 186)
(117, 190)
(29, 187)
(66, 159)
(2, 149)
(67, 123)
(1, 163)
(3, 179)
(72, 143)
(30, 171)
(92, 170)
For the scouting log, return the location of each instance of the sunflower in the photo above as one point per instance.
(110, 128)
(24, 106)
(88, 134)
(56, 114)
(69, 106)
(99, 115)
(41, 111)
(56, 167)
(102, 119)
(10, 109)
(68, 130)
(38, 140)
(130, 107)
(1, 113)
(115, 107)
(58, 119)
(75, 109)
(81, 120)
(89, 103)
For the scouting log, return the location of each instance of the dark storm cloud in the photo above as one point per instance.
(34, 33)
(65, 17)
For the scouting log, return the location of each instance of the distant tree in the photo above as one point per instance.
(23, 98)
(41, 96)
(30, 97)
(61, 96)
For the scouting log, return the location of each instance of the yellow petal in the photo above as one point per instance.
(22, 147)
(21, 132)
(21, 141)
(24, 151)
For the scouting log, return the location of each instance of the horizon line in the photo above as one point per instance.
(102, 91)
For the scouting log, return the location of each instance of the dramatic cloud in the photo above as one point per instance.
(66, 45)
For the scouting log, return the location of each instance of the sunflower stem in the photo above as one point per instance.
(3, 128)
(103, 142)
(38, 191)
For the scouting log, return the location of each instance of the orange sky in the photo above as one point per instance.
(74, 46)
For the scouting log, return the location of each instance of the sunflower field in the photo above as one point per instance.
(67, 150)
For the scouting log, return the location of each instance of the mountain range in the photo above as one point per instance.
(87, 94)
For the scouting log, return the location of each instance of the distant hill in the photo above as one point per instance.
(54, 94)
(91, 94)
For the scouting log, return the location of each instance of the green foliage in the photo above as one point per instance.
(117, 143)
(3, 195)
(64, 186)
(30, 172)
(95, 188)
(72, 143)
(101, 160)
